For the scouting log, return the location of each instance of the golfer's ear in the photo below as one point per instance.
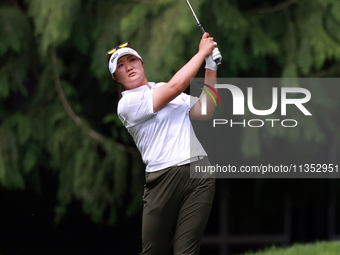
(115, 78)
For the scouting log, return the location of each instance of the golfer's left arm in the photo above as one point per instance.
(211, 80)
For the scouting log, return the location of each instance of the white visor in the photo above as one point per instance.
(118, 54)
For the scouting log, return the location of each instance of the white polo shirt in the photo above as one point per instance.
(165, 138)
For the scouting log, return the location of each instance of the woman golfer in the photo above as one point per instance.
(157, 115)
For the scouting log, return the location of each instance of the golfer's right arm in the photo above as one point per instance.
(181, 80)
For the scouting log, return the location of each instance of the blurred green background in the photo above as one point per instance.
(62, 146)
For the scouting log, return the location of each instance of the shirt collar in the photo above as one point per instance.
(140, 88)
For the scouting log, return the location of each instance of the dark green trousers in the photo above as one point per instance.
(176, 210)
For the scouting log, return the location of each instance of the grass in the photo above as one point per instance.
(319, 248)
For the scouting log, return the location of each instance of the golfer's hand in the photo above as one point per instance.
(206, 45)
(210, 60)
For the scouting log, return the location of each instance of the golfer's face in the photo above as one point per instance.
(130, 72)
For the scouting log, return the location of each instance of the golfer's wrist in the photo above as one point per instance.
(210, 73)
(200, 57)
(211, 68)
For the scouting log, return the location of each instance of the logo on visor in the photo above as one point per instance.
(114, 56)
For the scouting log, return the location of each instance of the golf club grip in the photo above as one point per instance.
(201, 28)
(218, 61)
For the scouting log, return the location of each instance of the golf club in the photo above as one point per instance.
(217, 61)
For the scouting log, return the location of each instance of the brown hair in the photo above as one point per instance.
(120, 88)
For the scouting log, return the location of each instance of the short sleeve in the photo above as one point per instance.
(190, 101)
(135, 108)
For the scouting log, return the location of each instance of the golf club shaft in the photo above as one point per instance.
(217, 61)
(198, 22)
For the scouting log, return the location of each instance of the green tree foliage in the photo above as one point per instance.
(58, 100)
